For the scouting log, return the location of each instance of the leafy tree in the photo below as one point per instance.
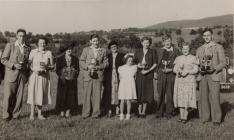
(178, 31)
(219, 33)
(180, 41)
(193, 32)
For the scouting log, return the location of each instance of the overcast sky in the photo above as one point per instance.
(42, 16)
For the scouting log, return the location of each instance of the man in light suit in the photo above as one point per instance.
(15, 59)
(93, 61)
(209, 88)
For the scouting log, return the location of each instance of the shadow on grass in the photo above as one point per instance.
(75, 112)
(226, 107)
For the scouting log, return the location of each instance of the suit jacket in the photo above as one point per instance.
(85, 60)
(118, 62)
(9, 58)
(218, 60)
(150, 59)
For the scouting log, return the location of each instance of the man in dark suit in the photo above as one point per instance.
(15, 59)
(166, 77)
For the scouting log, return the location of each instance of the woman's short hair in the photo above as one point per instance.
(207, 29)
(42, 38)
(166, 37)
(94, 36)
(126, 57)
(147, 38)
(21, 30)
(113, 42)
(185, 44)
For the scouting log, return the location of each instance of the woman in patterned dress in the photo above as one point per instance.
(186, 68)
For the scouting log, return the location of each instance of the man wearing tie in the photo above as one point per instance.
(93, 61)
(212, 60)
(15, 60)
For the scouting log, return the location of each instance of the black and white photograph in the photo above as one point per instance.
(116, 70)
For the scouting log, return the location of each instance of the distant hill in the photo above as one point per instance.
(209, 21)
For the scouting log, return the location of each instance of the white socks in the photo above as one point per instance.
(121, 117)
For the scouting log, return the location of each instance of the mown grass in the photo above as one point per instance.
(113, 129)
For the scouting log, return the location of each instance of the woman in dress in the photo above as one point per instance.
(67, 69)
(146, 60)
(41, 62)
(186, 67)
(110, 96)
(127, 87)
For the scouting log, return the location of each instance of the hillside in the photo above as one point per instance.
(208, 21)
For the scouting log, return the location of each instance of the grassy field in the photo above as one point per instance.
(113, 129)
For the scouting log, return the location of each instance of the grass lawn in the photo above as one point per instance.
(113, 129)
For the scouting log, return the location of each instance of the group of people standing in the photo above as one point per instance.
(124, 77)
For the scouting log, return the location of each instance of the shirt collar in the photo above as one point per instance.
(171, 49)
(95, 48)
(18, 44)
(40, 51)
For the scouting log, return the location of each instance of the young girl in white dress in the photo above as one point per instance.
(186, 67)
(127, 87)
(39, 81)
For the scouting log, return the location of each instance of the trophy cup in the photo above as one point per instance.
(206, 64)
(165, 63)
(49, 65)
(181, 67)
(20, 59)
(144, 66)
(93, 63)
(43, 67)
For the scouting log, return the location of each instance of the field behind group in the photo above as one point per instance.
(111, 128)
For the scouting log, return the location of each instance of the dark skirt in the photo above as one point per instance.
(67, 97)
(145, 89)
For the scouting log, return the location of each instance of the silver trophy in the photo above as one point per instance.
(165, 63)
(93, 63)
(206, 64)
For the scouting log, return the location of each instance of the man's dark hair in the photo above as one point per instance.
(94, 36)
(166, 36)
(207, 29)
(21, 30)
(147, 38)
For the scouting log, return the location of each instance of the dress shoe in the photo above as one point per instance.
(158, 116)
(216, 123)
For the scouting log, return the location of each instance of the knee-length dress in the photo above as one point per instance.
(39, 84)
(185, 87)
(144, 83)
(127, 86)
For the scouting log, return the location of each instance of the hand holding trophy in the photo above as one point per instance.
(206, 65)
(20, 60)
(181, 68)
(165, 63)
(42, 67)
(92, 65)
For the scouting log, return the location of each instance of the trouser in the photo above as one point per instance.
(92, 98)
(165, 86)
(13, 98)
(209, 102)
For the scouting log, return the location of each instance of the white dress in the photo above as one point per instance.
(39, 84)
(127, 86)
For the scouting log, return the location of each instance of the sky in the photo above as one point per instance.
(54, 16)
